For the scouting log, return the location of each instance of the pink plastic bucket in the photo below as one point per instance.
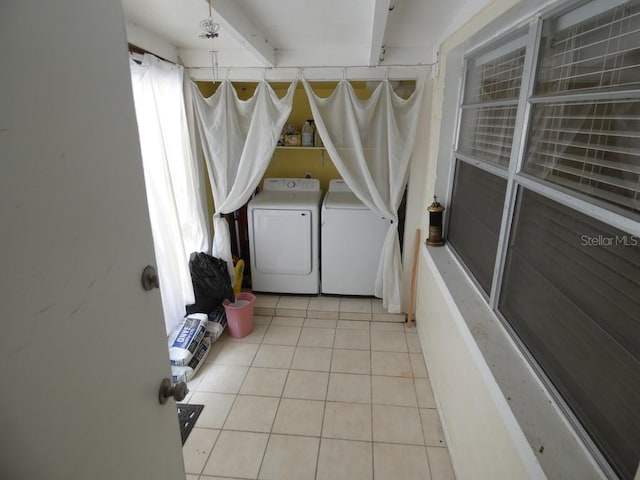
(240, 314)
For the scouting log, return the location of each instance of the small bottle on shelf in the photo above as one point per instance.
(317, 141)
(307, 134)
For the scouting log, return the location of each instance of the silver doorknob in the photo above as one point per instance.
(167, 390)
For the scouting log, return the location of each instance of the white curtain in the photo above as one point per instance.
(178, 222)
(238, 139)
(370, 143)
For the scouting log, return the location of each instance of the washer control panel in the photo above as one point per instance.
(291, 184)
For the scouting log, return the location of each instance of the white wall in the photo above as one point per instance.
(416, 208)
(485, 441)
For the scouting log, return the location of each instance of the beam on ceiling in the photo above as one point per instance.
(233, 20)
(378, 26)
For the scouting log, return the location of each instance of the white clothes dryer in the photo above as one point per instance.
(284, 231)
(352, 237)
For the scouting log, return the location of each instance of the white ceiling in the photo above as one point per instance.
(298, 33)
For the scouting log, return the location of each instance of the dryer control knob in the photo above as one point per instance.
(291, 184)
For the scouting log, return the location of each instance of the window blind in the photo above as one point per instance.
(589, 140)
(490, 102)
(486, 133)
(590, 147)
(571, 292)
(497, 74)
(600, 52)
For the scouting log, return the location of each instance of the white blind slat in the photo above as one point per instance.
(591, 59)
(601, 148)
(487, 151)
(615, 198)
(621, 167)
(608, 133)
(562, 25)
(584, 174)
(593, 72)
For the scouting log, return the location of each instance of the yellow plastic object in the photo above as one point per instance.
(238, 272)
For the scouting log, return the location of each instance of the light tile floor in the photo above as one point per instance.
(323, 388)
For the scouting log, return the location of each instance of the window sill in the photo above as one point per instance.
(523, 403)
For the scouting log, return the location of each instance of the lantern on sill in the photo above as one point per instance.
(435, 223)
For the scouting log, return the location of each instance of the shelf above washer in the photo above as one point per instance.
(299, 148)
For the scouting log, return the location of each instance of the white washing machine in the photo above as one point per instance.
(352, 237)
(284, 230)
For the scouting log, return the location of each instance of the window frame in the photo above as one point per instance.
(517, 180)
(458, 156)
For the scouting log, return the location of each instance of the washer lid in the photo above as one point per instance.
(338, 185)
(291, 200)
(343, 200)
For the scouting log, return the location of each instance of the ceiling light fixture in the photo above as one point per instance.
(209, 27)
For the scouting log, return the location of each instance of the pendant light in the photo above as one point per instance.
(209, 27)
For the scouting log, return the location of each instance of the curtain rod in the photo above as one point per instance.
(141, 51)
(329, 73)
(411, 65)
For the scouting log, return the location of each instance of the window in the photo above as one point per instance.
(487, 126)
(589, 141)
(592, 147)
(545, 208)
(571, 292)
(474, 225)
(490, 103)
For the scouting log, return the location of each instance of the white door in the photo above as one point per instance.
(282, 241)
(352, 241)
(83, 346)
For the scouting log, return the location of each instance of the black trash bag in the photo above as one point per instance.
(211, 283)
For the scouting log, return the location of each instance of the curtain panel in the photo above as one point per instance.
(171, 179)
(238, 139)
(370, 142)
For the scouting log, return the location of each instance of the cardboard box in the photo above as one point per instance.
(292, 140)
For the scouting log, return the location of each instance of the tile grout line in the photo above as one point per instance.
(204, 465)
(324, 409)
(415, 392)
(426, 450)
(222, 423)
(264, 454)
(373, 461)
